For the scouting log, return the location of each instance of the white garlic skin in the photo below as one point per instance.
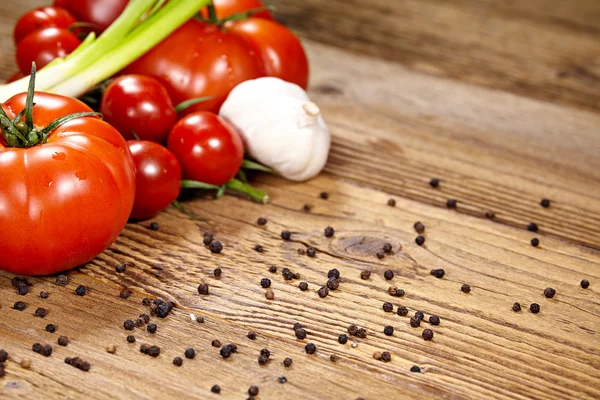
(280, 126)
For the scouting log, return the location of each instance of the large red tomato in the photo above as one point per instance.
(42, 17)
(199, 60)
(43, 46)
(226, 8)
(209, 149)
(100, 13)
(64, 201)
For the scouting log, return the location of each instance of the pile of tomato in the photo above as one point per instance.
(164, 105)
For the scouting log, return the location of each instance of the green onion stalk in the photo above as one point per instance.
(142, 25)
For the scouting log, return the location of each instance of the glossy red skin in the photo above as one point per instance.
(101, 13)
(280, 50)
(157, 178)
(199, 60)
(226, 8)
(42, 17)
(15, 77)
(63, 202)
(43, 46)
(207, 147)
(140, 104)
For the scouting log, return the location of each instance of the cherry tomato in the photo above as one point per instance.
(209, 149)
(280, 50)
(226, 8)
(140, 104)
(157, 178)
(42, 17)
(100, 13)
(15, 77)
(199, 60)
(43, 46)
(65, 201)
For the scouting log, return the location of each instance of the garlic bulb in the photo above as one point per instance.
(280, 126)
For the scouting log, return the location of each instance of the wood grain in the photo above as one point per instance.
(495, 146)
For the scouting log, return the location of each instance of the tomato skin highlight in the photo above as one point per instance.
(199, 60)
(43, 46)
(158, 178)
(42, 17)
(208, 148)
(140, 104)
(101, 13)
(281, 52)
(63, 202)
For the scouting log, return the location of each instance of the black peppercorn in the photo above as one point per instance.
(311, 252)
(80, 291)
(380, 255)
(420, 240)
(121, 268)
(216, 343)
(265, 283)
(50, 328)
(516, 307)
(298, 325)
(286, 235)
(258, 248)
(451, 203)
(63, 341)
(301, 252)
(333, 283)
(41, 312)
(399, 293)
(310, 348)
(154, 351)
(208, 239)
(545, 203)
(130, 339)
(438, 273)
(287, 362)
(300, 333)
(215, 389)
(386, 356)
(128, 325)
(585, 283)
(434, 182)
(532, 227)
(282, 379)
(273, 269)
(226, 351)
(307, 208)
(535, 242)
(190, 353)
(329, 232)
(19, 306)
(415, 322)
(144, 348)
(333, 273)
(434, 320)
(263, 360)
(364, 275)
(402, 311)
(217, 272)
(361, 333)
(44, 294)
(388, 307)
(391, 203)
(420, 315)
(62, 280)
(22, 289)
(549, 292)
(534, 308)
(125, 293)
(465, 288)
(323, 292)
(388, 275)
(414, 368)
(352, 329)
(419, 227)
(388, 330)
(3, 356)
(261, 221)
(342, 339)
(427, 334)
(303, 286)
(151, 328)
(253, 391)
(203, 288)
(265, 352)
(387, 248)
(215, 247)
(153, 226)
(178, 361)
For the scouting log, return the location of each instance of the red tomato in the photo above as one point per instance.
(140, 104)
(209, 149)
(157, 178)
(226, 8)
(65, 201)
(199, 60)
(42, 17)
(43, 46)
(101, 13)
(280, 50)
(15, 77)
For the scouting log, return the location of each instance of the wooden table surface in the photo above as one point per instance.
(500, 100)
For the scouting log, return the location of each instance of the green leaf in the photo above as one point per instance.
(187, 184)
(256, 166)
(188, 103)
(221, 191)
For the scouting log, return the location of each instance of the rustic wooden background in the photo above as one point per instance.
(498, 99)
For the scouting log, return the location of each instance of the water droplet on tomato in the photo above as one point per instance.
(81, 175)
(46, 181)
(59, 156)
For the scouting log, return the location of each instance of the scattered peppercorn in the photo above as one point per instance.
(535, 242)
(3, 356)
(534, 308)
(154, 351)
(269, 294)
(301, 251)
(352, 329)
(323, 292)
(311, 252)
(265, 283)
(151, 328)
(415, 322)
(129, 325)
(50, 328)
(258, 248)
(415, 368)
(253, 391)
(144, 348)
(402, 311)
(388, 330)
(203, 288)
(329, 232)
(226, 351)
(361, 333)
(387, 248)
(45, 351)
(178, 361)
(121, 268)
(465, 288)
(399, 293)
(420, 240)
(490, 214)
(215, 389)
(261, 221)
(217, 272)
(63, 341)
(427, 334)
(282, 379)
(44, 294)
(62, 280)
(380, 255)
(420, 315)
(388, 307)
(438, 273)
(303, 286)
(307, 208)
(434, 182)
(287, 362)
(130, 339)
(153, 226)
(22, 290)
(532, 227)
(333, 283)
(78, 363)
(434, 320)
(41, 312)
(215, 247)
(265, 352)
(273, 269)
(207, 239)
(125, 294)
(19, 306)
(26, 364)
(80, 291)
(342, 339)
(216, 343)
(262, 360)
(377, 355)
(419, 227)
(392, 290)
(549, 292)
(585, 283)
(286, 235)
(300, 333)
(2, 371)
(391, 203)
(386, 356)
(545, 203)
(111, 348)
(364, 275)
(516, 307)
(190, 353)
(310, 348)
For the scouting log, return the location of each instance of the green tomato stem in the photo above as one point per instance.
(188, 103)
(255, 194)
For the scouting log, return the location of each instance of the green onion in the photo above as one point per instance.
(123, 42)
